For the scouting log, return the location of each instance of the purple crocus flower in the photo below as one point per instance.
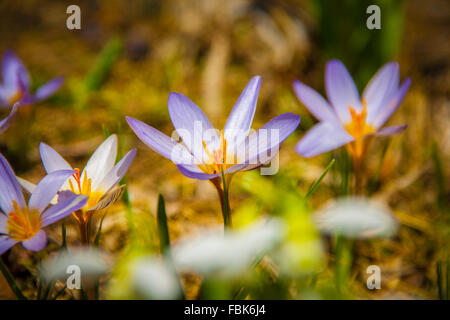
(347, 119)
(203, 152)
(23, 222)
(97, 181)
(5, 123)
(16, 83)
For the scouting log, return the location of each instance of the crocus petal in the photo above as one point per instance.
(46, 189)
(386, 111)
(10, 189)
(108, 198)
(65, 206)
(315, 103)
(101, 161)
(26, 185)
(51, 159)
(194, 172)
(4, 96)
(380, 88)
(241, 117)
(5, 123)
(6, 243)
(3, 220)
(159, 142)
(13, 70)
(263, 144)
(37, 243)
(116, 174)
(341, 90)
(191, 124)
(389, 131)
(323, 137)
(48, 88)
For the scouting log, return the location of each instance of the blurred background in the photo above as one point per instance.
(129, 55)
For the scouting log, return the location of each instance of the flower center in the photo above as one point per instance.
(358, 127)
(218, 159)
(15, 97)
(23, 224)
(84, 188)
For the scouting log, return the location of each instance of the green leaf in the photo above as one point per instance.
(440, 175)
(439, 280)
(164, 241)
(60, 292)
(9, 278)
(103, 65)
(106, 132)
(163, 230)
(316, 183)
(64, 236)
(99, 232)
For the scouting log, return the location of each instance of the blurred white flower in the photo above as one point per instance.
(230, 254)
(152, 279)
(91, 262)
(355, 217)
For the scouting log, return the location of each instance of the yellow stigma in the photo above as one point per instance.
(23, 224)
(358, 127)
(84, 188)
(219, 159)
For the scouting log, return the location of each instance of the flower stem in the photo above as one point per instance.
(222, 191)
(9, 278)
(225, 203)
(84, 232)
(358, 175)
(357, 189)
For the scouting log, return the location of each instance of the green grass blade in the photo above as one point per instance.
(163, 229)
(60, 292)
(48, 290)
(439, 280)
(447, 279)
(64, 236)
(9, 278)
(164, 241)
(103, 65)
(99, 232)
(39, 290)
(317, 182)
(440, 176)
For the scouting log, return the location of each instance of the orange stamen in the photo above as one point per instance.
(358, 127)
(23, 223)
(76, 176)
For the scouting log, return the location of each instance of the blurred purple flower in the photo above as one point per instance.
(17, 84)
(5, 123)
(203, 152)
(347, 119)
(22, 222)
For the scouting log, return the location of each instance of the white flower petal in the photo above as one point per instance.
(101, 161)
(356, 218)
(152, 279)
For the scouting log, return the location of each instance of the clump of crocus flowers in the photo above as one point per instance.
(201, 152)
